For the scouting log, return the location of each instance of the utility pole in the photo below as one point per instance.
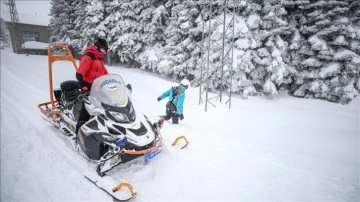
(14, 32)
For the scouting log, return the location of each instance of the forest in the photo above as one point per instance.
(304, 48)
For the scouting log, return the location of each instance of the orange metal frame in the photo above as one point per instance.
(51, 59)
(157, 146)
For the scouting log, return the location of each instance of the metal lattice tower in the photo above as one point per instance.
(223, 18)
(14, 32)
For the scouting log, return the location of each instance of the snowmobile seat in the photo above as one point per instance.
(70, 92)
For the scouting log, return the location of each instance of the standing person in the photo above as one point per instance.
(91, 66)
(174, 107)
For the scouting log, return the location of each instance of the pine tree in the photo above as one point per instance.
(4, 35)
(327, 69)
(123, 33)
(153, 22)
(274, 33)
(180, 44)
(77, 41)
(62, 21)
(93, 23)
(247, 74)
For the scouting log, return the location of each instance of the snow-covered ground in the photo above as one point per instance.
(282, 149)
(35, 45)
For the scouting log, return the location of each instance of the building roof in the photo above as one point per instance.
(27, 18)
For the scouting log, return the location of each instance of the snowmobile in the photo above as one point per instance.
(115, 132)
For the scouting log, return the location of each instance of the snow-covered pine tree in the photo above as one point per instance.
(4, 35)
(61, 21)
(76, 41)
(153, 22)
(65, 23)
(114, 22)
(328, 68)
(182, 37)
(296, 41)
(354, 64)
(274, 33)
(247, 41)
(93, 24)
(124, 36)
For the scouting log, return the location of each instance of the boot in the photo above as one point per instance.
(175, 119)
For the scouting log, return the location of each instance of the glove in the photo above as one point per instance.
(159, 98)
(181, 116)
(84, 88)
(85, 91)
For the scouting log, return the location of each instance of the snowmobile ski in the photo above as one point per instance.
(119, 191)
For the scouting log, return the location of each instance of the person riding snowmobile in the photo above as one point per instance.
(174, 107)
(91, 66)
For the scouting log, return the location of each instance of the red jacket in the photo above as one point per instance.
(91, 69)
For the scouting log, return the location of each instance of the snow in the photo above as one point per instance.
(343, 54)
(330, 69)
(281, 149)
(340, 40)
(312, 62)
(242, 43)
(35, 45)
(253, 21)
(317, 43)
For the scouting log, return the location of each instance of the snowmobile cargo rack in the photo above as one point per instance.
(56, 52)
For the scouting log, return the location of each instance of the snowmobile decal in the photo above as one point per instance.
(108, 81)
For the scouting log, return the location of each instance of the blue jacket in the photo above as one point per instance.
(178, 100)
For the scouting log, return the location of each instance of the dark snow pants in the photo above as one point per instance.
(171, 113)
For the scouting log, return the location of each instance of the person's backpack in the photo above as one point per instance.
(176, 91)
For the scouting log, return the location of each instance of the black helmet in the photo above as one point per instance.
(101, 43)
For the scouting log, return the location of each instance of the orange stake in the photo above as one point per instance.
(178, 138)
(125, 184)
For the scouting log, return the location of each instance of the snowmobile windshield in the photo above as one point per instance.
(109, 89)
(110, 93)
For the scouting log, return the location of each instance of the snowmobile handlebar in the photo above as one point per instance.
(84, 97)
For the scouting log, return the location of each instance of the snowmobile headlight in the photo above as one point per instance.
(120, 117)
